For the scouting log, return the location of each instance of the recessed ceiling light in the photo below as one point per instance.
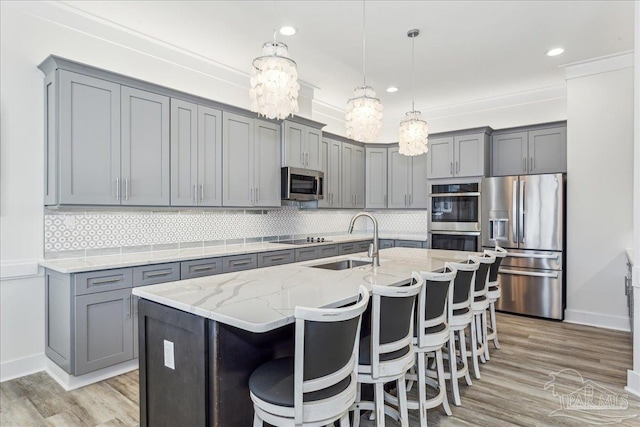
(288, 30)
(392, 89)
(555, 51)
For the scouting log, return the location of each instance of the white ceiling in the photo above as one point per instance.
(467, 50)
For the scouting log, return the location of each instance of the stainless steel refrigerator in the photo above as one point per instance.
(526, 216)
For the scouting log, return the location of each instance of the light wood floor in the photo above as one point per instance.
(510, 392)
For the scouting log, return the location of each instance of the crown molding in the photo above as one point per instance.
(603, 64)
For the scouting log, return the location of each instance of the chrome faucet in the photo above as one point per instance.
(373, 248)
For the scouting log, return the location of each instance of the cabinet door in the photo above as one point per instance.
(237, 160)
(548, 150)
(357, 176)
(267, 164)
(419, 193)
(294, 145)
(347, 181)
(469, 155)
(335, 173)
(508, 154)
(398, 171)
(103, 330)
(89, 140)
(313, 140)
(440, 158)
(184, 153)
(376, 178)
(145, 148)
(209, 156)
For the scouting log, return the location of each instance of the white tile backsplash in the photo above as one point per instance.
(68, 233)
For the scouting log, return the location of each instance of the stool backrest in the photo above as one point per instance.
(392, 311)
(463, 283)
(482, 275)
(500, 254)
(435, 301)
(326, 347)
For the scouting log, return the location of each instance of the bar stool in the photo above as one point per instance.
(460, 318)
(479, 307)
(318, 385)
(431, 334)
(387, 354)
(494, 294)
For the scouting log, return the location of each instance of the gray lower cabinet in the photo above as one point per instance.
(386, 243)
(408, 244)
(314, 252)
(251, 162)
(376, 178)
(534, 150)
(268, 259)
(196, 155)
(156, 273)
(200, 268)
(239, 263)
(353, 247)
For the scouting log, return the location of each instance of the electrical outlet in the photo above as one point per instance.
(69, 222)
(169, 360)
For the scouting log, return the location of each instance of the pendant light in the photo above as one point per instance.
(414, 132)
(364, 111)
(274, 82)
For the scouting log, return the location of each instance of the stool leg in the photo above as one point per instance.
(494, 329)
(441, 381)
(463, 354)
(422, 390)
(474, 348)
(453, 368)
(356, 411)
(257, 422)
(379, 396)
(485, 340)
(402, 403)
(344, 420)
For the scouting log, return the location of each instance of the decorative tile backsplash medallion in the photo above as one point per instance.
(79, 233)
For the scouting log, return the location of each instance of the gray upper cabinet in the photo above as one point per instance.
(331, 165)
(352, 176)
(196, 155)
(145, 148)
(88, 118)
(536, 150)
(376, 178)
(407, 181)
(463, 155)
(251, 161)
(301, 146)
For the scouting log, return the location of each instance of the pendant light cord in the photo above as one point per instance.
(413, 73)
(364, 44)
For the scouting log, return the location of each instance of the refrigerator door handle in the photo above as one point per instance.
(522, 213)
(514, 210)
(537, 256)
(553, 275)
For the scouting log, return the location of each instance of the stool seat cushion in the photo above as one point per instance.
(431, 330)
(273, 383)
(493, 288)
(480, 298)
(365, 352)
(460, 311)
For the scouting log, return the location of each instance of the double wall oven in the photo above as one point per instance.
(455, 215)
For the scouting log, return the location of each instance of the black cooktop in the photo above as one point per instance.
(306, 241)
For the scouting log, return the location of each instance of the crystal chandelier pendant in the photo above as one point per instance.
(364, 115)
(274, 82)
(414, 135)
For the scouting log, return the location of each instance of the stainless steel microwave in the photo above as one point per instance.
(302, 184)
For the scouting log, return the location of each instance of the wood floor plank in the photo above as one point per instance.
(511, 391)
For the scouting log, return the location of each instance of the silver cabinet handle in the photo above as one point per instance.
(129, 306)
(537, 256)
(524, 164)
(126, 188)
(106, 281)
(457, 166)
(257, 195)
(202, 192)
(195, 194)
(405, 200)
(451, 168)
(356, 199)
(277, 258)
(207, 268)
(531, 163)
(159, 273)
(237, 263)
(117, 188)
(528, 273)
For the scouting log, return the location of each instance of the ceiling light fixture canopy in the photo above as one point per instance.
(364, 110)
(413, 135)
(274, 82)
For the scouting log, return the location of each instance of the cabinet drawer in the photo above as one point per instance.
(267, 259)
(327, 251)
(363, 246)
(408, 244)
(239, 263)
(304, 254)
(104, 280)
(200, 268)
(386, 243)
(158, 273)
(347, 248)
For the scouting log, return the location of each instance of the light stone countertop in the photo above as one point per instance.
(103, 262)
(264, 299)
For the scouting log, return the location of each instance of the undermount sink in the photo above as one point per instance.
(342, 265)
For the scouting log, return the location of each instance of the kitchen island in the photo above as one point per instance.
(200, 339)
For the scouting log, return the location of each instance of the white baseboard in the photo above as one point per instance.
(607, 321)
(71, 382)
(633, 382)
(22, 367)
